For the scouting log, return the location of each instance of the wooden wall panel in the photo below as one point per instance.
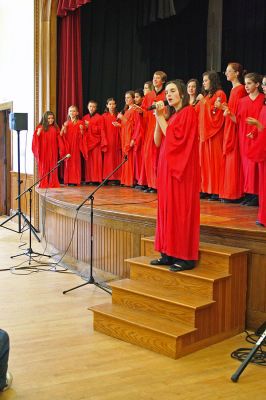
(27, 181)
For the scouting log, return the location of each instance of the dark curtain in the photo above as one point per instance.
(121, 47)
(244, 34)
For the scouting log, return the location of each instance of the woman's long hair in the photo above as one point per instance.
(44, 121)
(215, 83)
(182, 90)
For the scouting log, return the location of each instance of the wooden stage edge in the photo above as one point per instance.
(122, 216)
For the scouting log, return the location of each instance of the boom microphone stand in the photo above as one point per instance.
(29, 251)
(91, 280)
(19, 213)
(239, 371)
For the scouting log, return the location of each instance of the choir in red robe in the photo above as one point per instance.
(96, 144)
(72, 142)
(257, 152)
(45, 149)
(211, 129)
(112, 157)
(232, 179)
(249, 106)
(177, 229)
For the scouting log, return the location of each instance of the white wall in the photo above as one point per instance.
(17, 70)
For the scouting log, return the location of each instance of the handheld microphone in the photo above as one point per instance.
(153, 106)
(64, 158)
(215, 108)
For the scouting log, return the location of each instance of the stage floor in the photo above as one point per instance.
(134, 202)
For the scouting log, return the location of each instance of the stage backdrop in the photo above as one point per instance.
(124, 42)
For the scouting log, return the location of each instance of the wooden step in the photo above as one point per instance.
(179, 305)
(211, 255)
(200, 280)
(141, 328)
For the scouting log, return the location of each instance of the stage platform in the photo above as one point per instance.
(123, 215)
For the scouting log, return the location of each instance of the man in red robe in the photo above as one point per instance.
(151, 152)
(96, 144)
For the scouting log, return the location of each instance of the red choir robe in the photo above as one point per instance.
(113, 156)
(256, 151)
(248, 108)
(232, 178)
(151, 152)
(96, 144)
(127, 133)
(45, 149)
(138, 149)
(178, 217)
(211, 128)
(72, 142)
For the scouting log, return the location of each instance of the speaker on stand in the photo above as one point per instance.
(19, 122)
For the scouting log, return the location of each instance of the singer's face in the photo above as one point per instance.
(92, 107)
(146, 89)
(111, 105)
(157, 81)
(138, 99)
(73, 112)
(129, 99)
(50, 119)
(192, 88)
(206, 82)
(250, 86)
(172, 95)
(230, 74)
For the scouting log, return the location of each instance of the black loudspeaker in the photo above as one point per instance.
(18, 121)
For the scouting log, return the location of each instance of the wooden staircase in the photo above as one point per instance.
(175, 313)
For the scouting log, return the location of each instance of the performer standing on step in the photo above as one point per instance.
(178, 217)
(96, 144)
(232, 179)
(45, 149)
(113, 156)
(257, 152)
(151, 152)
(211, 124)
(249, 106)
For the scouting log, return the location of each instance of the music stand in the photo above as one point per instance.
(19, 213)
(29, 251)
(91, 280)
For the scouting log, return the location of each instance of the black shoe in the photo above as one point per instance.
(147, 190)
(259, 223)
(164, 260)
(254, 201)
(204, 195)
(140, 187)
(232, 201)
(214, 197)
(182, 265)
(152, 190)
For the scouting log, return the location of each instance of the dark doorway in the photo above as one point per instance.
(5, 161)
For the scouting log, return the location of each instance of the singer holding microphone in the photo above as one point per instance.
(178, 216)
(45, 149)
(211, 130)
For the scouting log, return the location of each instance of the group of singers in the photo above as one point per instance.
(179, 139)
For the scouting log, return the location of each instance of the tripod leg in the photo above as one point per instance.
(76, 287)
(31, 227)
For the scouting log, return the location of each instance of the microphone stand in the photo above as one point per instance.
(29, 251)
(235, 376)
(91, 280)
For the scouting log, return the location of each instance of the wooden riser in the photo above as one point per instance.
(210, 255)
(185, 280)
